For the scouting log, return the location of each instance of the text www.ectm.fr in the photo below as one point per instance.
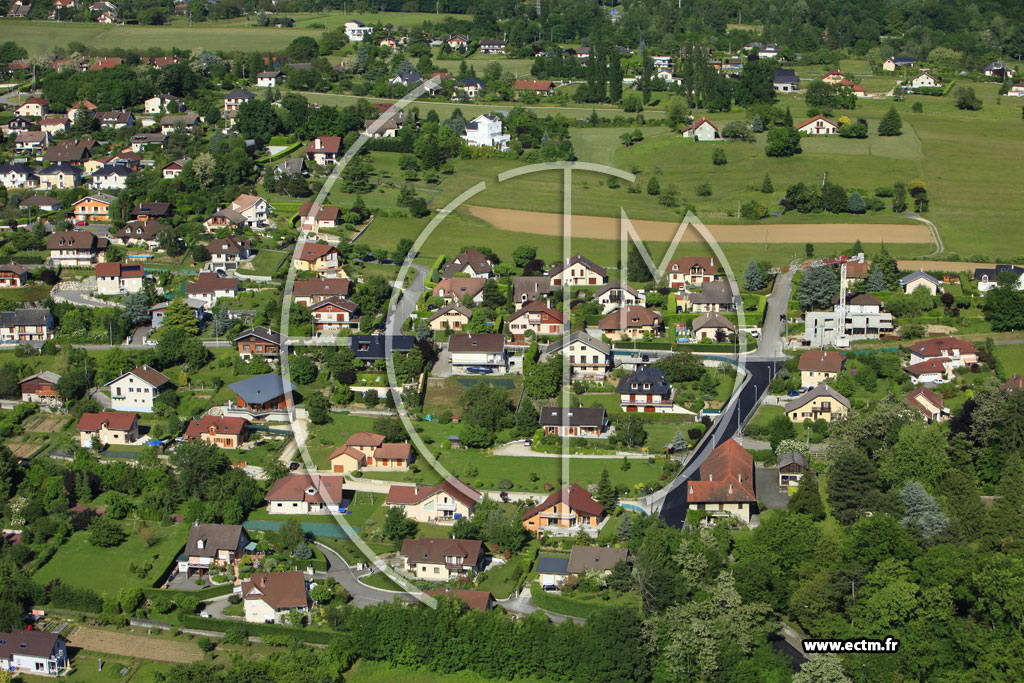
(888, 644)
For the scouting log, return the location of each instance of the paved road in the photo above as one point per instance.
(79, 298)
(348, 577)
(523, 604)
(406, 305)
(517, 449)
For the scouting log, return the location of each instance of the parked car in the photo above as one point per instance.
(294, 466)
(793, 392)
(478, 370)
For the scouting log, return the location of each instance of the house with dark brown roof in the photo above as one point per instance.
(113, 279)
(317, 257)
(35, 652)
(441, 559)
(324, 217)
(13, 275)
(334, 314)
(259, 341)
(478, 353)
(565, 512)
(632, 322)
(136, 390)
(470, 262)
(476, 600)
(455, 290)
(691, 270)
(147, 211)
(309, 292)
(578, 271)
(74, 247)
(526, 288)
(209, 287)
(270, 597)
(227, 253)
(140, 233)
(724, 484)
(573, 421)
(818, 366)
(951, 352)
(931, 405)
(324, 150)
(590, 558)
(212, 545)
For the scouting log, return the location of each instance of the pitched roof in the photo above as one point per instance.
(435, 550)
(822, 390)
(581, 337)
(239, 94)
(400, 494)
(531, 285)
(575, 496)
(553, 565)
(39, 200)
(459, 287)
(230, 214)
(712, 319)
(451, 308)
(13, 267)
(365, 439)
(161, 209)
(144, 230)
(551, 416)
(116, 421)
(373, 346)
(120, 270)
(154, 378)
(324, 213)
(329, 144)
(532, 85)
(313, 251)
(718, 292)
(393, 451)
(216, 424)
(229, 245)
(280, 590)
(939, 346)
(785, 76)
(726, 476)
(1015, 383)
(538, 307)
(45, 376)
(31, 643)
(262, 388)
(655, 377)
(631, 316)
(702, 120)
(818, 117)
(919, 275)
(594, 558)
(26, 316)
(578, 259)
(310, 488)
(920, 395)
(476, 261)
(798, 459)
(214, 537)
(822, 361)
(209, 283)
(615, 285)
(326, 286)
(478, 600)
(261, 333)
(930, 366)
(471, 343)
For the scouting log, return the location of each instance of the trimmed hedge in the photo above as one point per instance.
(306, 635)
(204, 594)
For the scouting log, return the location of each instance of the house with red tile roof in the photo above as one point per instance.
(309, 292)
(478, 600)
(304, 494)
(565, 512)
(324, 150)
(931, 405)
(270, 597)
(724, 484)
(543, 88)
(226, 432)
(108, 428)
(538, 318)
(951, 352)
(442, 504)
(441, 559)
(818, 366)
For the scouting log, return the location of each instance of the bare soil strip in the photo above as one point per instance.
(138, 647)
(602, 227)
(942, 266)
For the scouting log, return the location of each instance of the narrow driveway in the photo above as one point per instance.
(406, 305)
(348, 577)
(79, 298)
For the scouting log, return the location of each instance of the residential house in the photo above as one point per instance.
(589, 358)
(818, 125)
(270, 597)
(833, 77)
(259, 341)
(136, 390)
(381, 128)
(55, 125)
(543, 88)
(316, 257)
(357, 30)
(59, 176)
(139, 233)
(290, 167)
(552, 572)
(1015, 383)
(441, 559)
(75, 247)
(225, 432)
(236, 98)
(818, 366)
(894, 63)
(41, 388)
(577, 272)
(406, 78)
(18, 10)
(478, 354)
(702, 129)
(919, 278)
(263, 395)
(588, 558)
(538, 318)
(108, 428)
(143, 141)
(645, 391)
(212, 545)
(305, 494)
(632, 322)
(724, 485)
(712, 326)
(333, 315)
(324, 217)
(470, 262)
(820, 403)
(988, 278)
(470, 86)
(714, 296)
(13, 275)
(485, 131)
(1016, 90)
(115, 119)
(31, 141)
(792, 468)
(364, 443)
(998, 70)
(110, 177)
(457, 42)
(527, 288)
(159, 104)
(389, 42)
(448, 501)
(113, 279)
(616, 295)
(951, 352)
(931, 405)
(455, 290)
(225, 218)
(324, 150)
(18, 175)
(146, 211)
(565, 512)
(573, 422)
(40, 202)
(451, 317)
(785, 80)
(480, 601)
(17, 124)
(931, 371)
(394, 457)
(33, 652)
(924, 80)
(35, 107)
(75, 152)
(209, 287)
(269, 79)
(309, 292)
(188, 122)
(226, 253)
(692, 270)
(373, 347)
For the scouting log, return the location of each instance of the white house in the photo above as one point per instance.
(118, 278)
(110, 177)
(478, 354)
(702, 129)
(208, 287)
(39, 653)
(268, 79)
(256, 209)
(924, 80)
(357, 30)
(485, 131)
(818, 125)
(157, 104)
(137, 389)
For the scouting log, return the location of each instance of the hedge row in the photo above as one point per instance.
(203, 594)
(306, 635)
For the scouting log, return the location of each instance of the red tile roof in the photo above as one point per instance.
(920, 394)
(312, 251)
(208, 283)
(121, 422)
(822, 361)
(308, 488)
(325, 286)
(478, 600)
(435, 550)
(941, 346)
(553, 314)
(410, 495)
(926, 367)
(330, 144)
(280, 590)
(727, 476)
(685, 264)
(365, 439)
(118, 270)
(216, 424)
(532, 85)
(393, 451)
(575, 496)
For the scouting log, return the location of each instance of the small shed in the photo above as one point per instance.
(792, 467)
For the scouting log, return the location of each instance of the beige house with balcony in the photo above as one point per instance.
(565, 512)
(441, 559)
(212, 545)
(588, 357)
(818, 366)
(820, 403)
(443, 504)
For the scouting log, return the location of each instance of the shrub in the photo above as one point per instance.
(704, 190)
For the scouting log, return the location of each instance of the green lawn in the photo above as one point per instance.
(105, 570)
(583, 606)
(1012, 357)
(379, 580)
(265, 262)
(765, 414)
(86, 669)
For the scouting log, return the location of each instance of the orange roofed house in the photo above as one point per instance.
(108, 428)
(304, 494)
(725, 483)
(317, 257)
(543, 88)
(693, 270)
(565, 512)
(366, 449)
(226, 432)
(448, 501)
(537, 318)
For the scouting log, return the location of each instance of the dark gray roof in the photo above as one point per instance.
(214, 537)
(26, 316)
(785, 76)
(238, 94)
(820, 390)
(261, 388)
(717, 292)
(112, 169)
(371, 346)
(580, 336)
(919, 274)
(594, 558)
(262, 333)
(793, 459)
(578, 417)
(552, 565)
(903, 60)
(15, 168)
(655, 377)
